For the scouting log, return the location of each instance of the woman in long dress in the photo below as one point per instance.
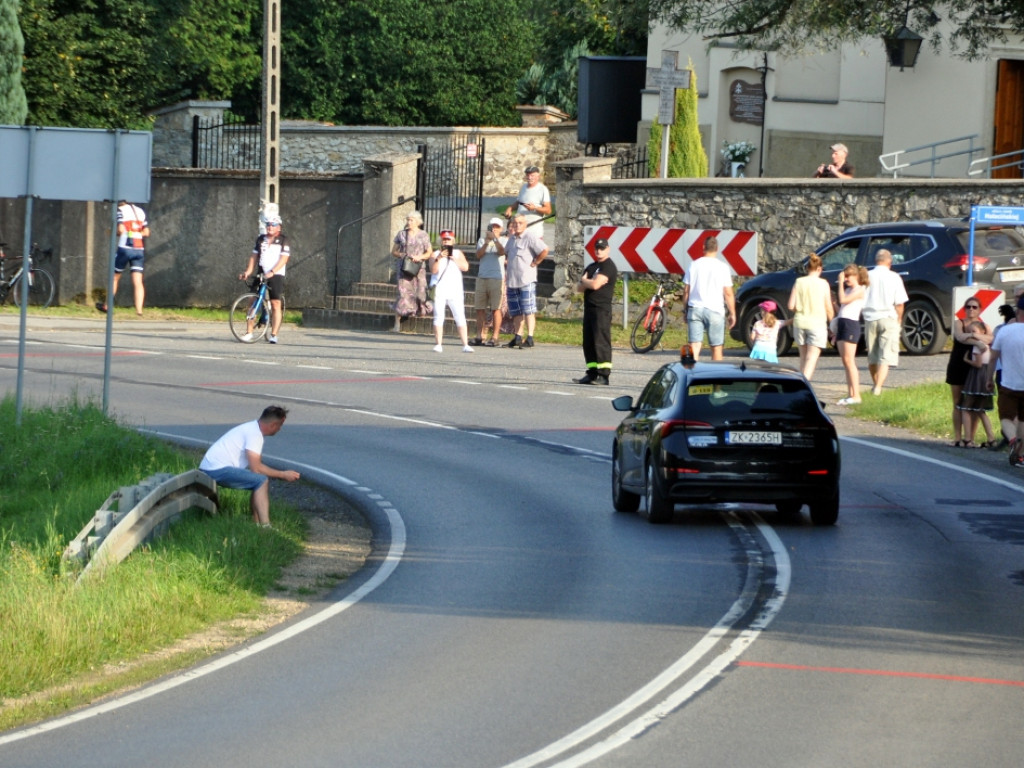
(414, 243)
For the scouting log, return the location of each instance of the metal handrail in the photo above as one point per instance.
(896, 166)
(402, 200)
(985, 164)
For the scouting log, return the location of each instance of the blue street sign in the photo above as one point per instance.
(990, 214)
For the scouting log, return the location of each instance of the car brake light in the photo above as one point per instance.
(668, 427)
(960, 262)
(817, 472)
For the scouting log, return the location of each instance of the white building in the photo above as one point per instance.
(853, 96)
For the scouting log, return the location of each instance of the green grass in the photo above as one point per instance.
(59, 467)
(924, 408)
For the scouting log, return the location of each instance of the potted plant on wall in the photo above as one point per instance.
(736, 155)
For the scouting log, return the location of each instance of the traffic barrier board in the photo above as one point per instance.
(671, 251)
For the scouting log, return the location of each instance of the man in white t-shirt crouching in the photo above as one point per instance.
(235, 461)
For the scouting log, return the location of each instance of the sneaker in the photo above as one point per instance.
(1017, 461)
(101, 306)
(477, 342)
(1000, 446)
(517, 341)
(467, 348)
(247, 337)
(849, 401)
(438, 348)
(528, 342)
(272, 339)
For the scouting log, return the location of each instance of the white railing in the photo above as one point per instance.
(985, 165)
(144, 511)
(894, 162)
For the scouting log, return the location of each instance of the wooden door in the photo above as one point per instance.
(1009, 117)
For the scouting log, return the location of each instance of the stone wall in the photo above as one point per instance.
(791, 216)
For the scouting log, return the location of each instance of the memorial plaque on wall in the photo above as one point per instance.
(746, 102)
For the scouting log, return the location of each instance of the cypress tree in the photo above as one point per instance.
(13, 105)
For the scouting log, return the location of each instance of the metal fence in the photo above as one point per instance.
(234, 145)
(632, 164)
(450, 187)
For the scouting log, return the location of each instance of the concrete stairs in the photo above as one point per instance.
(369, 307)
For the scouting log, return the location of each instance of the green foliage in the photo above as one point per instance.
(403, 62)
(13, 104)
(687, 158)
(557, 88)
(797, 25)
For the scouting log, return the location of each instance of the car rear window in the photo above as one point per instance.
(992, 242)
(713, 401)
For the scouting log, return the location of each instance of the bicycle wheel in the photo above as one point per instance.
(647, 330)
(40, 289)
(238, 318)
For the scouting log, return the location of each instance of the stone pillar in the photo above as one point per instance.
(172, 130)
(570, 177)
(388, 179)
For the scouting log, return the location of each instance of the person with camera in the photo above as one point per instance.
(534, 201)
(838, 168)
(446, 268)
(490, 282)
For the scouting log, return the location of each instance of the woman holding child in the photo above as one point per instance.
(968, 330)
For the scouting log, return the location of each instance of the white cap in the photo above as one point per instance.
(496, 220)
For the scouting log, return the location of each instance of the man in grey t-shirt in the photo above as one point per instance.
(490, 275)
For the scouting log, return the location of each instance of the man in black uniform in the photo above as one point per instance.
(598, 287)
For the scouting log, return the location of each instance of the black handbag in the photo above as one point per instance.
(411, 267)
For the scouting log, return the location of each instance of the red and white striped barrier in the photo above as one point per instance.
(670, 251)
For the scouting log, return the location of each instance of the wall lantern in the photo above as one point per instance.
(902, 48)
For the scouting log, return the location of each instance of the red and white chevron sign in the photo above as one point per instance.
(670, 251)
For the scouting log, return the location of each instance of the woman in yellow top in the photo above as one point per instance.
(811, 304)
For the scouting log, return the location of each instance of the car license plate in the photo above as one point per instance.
(1011, 275)
(753, 437)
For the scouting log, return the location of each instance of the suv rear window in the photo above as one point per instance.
(714, 401)
(992, 242)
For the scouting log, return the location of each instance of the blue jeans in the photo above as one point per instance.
(701, 319)
(234, 477)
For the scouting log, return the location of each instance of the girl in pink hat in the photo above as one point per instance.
(765, 333)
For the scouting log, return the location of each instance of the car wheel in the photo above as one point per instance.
(622, 500)
(826, 511)
(789, 508)
(785, 338)
(922, 331)
(657, 509)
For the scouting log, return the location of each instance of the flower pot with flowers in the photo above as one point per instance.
(736, 155)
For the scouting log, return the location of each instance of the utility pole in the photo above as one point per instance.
(271, 122)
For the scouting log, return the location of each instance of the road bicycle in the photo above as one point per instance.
(249, 317)
(40, 282)
(649, 327)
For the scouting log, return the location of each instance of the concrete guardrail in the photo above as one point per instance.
(144, 511)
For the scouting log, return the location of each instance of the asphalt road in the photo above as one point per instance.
(509, 617)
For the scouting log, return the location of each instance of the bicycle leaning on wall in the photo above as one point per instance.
(40, 282)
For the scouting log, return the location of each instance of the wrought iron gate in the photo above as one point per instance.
(450, 187)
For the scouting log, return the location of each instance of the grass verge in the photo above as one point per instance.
(59, 467)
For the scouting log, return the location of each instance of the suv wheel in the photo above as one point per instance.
(922, 331)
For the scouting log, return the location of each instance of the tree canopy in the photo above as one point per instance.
(13, 105)
(792, 26)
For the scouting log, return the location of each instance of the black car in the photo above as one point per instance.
(725, 432)
(930, 256)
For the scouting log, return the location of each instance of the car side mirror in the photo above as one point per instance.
(623, 403)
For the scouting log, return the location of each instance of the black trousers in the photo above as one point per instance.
(597, 339)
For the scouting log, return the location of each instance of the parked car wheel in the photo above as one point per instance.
(657, 509)
(622, 500)
(922, 331)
